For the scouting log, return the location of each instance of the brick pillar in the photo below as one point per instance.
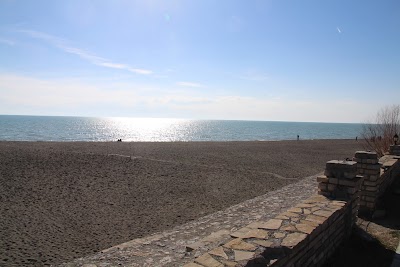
(394, 150)
(369, 167)
(341, 182)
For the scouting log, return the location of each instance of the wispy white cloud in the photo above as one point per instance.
(86, 55)
(141, 71)
(189, 84)
(113, 65)
(29, 95)
(339, 30)
(43, 36)
(6, 41)
(18, 92)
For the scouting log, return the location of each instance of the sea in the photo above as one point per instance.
(57, 128)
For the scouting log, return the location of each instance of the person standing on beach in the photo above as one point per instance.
(298, 137)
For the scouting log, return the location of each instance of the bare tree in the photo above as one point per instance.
(378, 134)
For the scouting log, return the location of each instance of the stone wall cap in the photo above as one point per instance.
(366, 155)
(341, 162)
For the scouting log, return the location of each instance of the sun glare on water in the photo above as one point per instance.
(147, 129)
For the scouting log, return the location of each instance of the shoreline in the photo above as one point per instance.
(64, 200)
(201, 141)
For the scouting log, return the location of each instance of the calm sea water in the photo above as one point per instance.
(42, 128)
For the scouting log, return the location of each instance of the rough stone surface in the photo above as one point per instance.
(219, 251)
(279, 235)
(305, 228)
(323, 213)
(208, 261)
(296, 210)
(242, 232)
(239, 244)
(269, 240)
(314, 218)
(147, 252)
(192, 265)
(250, 233)
(378, 176)
(284, 245)
(304, 205)
(229, 263)
(282, 217)
(394, 150)
(293, 239)
(264, 243)
(272, 224)
(341, 169)
(366, 155)
(290, 214)
(243, 255)
(289, 228)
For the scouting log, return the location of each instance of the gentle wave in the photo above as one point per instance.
(47, 128)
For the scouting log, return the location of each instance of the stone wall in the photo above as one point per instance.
(378, 176)
(305, 235)
(342, 182)
(394, 150)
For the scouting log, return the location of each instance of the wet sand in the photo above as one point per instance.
(60, 201)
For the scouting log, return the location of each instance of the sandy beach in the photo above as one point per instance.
(60, 200)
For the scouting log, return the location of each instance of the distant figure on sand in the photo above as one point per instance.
(119, 140)
(356, 138)
(298, 137)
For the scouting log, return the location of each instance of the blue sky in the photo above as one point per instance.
(332, 61)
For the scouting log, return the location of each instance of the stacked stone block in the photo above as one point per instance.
(368, 166)
(394, 150)
(340, 181)
(389, 172)
(305, 235)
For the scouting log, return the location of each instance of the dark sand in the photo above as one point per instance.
(60, 201)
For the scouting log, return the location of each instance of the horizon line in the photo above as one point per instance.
(174, 118)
